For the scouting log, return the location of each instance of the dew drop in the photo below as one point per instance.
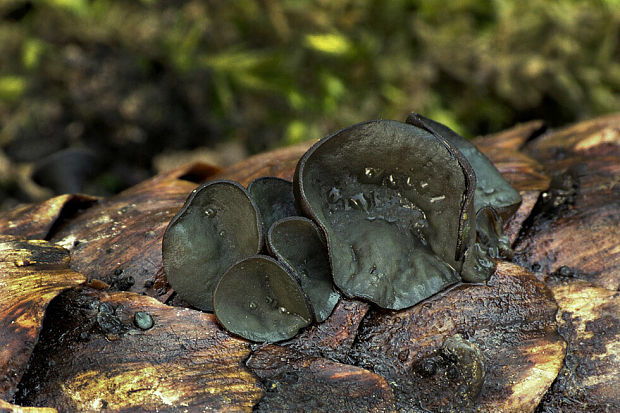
(283, 310)
(358, 201)
(409, 182)
(371, 173)
(222, 233)
(252, 305)
(391, 181)
(209, 212)
(143, 320)
(333, 195)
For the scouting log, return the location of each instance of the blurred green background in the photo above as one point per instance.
(133, 82)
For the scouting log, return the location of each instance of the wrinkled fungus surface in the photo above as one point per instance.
(217, 226)
(395, 212)
(298, 243)
(259, 299)
(396, 204)
(274, 199)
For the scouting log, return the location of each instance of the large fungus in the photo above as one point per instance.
(218, 225)
(396, 204)
(259, 299)
(274, 199)
(298, 242)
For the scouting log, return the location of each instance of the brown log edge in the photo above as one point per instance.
(589, 320)
(92, 356)
(512, 138)
(280, 163)
(523, 172)
(575, 226)
(13, 408)
(32, 273)
(510, 322)
(35, 221)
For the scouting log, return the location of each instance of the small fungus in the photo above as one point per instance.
(218, 225)
(298, 243)
(259, 299)
(274, 199)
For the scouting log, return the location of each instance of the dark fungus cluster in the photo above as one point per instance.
(384, 211)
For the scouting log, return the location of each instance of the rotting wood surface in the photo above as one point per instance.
(494, 347)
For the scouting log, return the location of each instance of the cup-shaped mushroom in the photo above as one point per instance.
(298, 243)
(491, 187)
(216, 227)
(259, 299)
(396, 205)
(274, 198)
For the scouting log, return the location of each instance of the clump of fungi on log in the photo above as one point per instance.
(384, 211)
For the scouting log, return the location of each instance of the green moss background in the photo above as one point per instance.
(130, 79)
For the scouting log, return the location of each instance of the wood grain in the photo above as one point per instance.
(32, 273)
(297, 382)
(92, 356)
(35, 221)
(575, 226)
(589, 319)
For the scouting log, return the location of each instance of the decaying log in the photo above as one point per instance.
(334, 337)
(280, 163)
(514, 138)
(9, 407)
(511, 321)
(493, 347)
(572, 240)
(94, 354)
(36, 221)
(576, 225)
(118, 240)
(296, 382)
(589, 320)
(523, 172)
(32, 273)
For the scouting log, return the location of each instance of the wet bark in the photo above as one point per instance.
(542, 334)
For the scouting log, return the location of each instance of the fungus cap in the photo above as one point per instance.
(216, 227)
(395, 202)
(298, 242)
(260, 300)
